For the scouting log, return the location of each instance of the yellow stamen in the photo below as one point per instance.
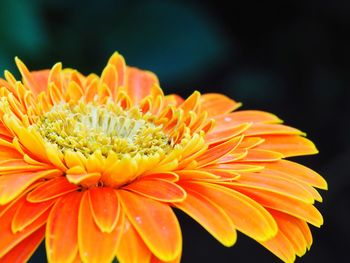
(108, 128)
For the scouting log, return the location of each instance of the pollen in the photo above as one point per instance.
(88, 127)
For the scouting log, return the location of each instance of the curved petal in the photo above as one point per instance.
(85, 179)
(275, 184)
(275, 129)
(218, 151)
(217, 104)
(257, 155)
(73, 92)
(13, 185)
(104, 207)
(250, 142)
(289, 226)
(61, 229)
(168, 176)
(288, 145)
(55, 76)
(281, 247)
(119, 63)
(157, 189)
(139, 83)
(246, 116)
(28, 80)
(109, 77)
(191, 103)
(53, 188)
(132, 242)
(27, 213)
(96, 246)
(223, 134)
(210, 216)
(9, 239)
(23, 251)
(9, 166)
(284, 204)
(299, 172)
(196, 175)
(155, 222)
(40, 78)
(173, 99)
(247, 215)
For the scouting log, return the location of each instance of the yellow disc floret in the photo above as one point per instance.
(88, 127)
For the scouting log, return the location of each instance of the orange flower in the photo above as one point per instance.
(95, 165)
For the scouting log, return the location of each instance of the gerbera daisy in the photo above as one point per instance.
(95, 165)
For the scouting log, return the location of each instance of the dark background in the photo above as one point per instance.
(287, 57)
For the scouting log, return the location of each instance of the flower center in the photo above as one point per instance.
(108, 128)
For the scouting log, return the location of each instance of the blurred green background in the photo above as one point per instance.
(287, 57)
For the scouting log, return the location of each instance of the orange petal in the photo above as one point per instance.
(109, 77)
(285, 204)
(91, 90)
(155, 222)
(237, 167)
(27, 213)
(74, 92)
(14, 184)
(191, 103)
(9, 239)
(304, 228)
(119, 63)
(257, 155)
(307, 186)
(281, 247)
(288, 145)
(233, 157)
(139, 83)
(86, 179)
(289, 226)
(217, 104)
(55, 94)
(250, 142)
(276, 184)
(9, 83)
(218, 135)
(62, 228)
(105, 207)
(265, 129)
(55, 76)
(298, 171)
(173, 99)
(156, 189)
(40, 78)
(247, 215)
(19, 165)
(217, 152)
(276, 175)
(131, 248)
(168, 176)
(24, 250)
(94, 245)
(246, 116)
(224, 175)
(51, 189)
(210, 216)
(196, 175)
(27, 77)
(7, 153)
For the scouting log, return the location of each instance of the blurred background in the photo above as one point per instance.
(287, 57)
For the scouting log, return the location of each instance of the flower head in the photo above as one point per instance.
(95, 165)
